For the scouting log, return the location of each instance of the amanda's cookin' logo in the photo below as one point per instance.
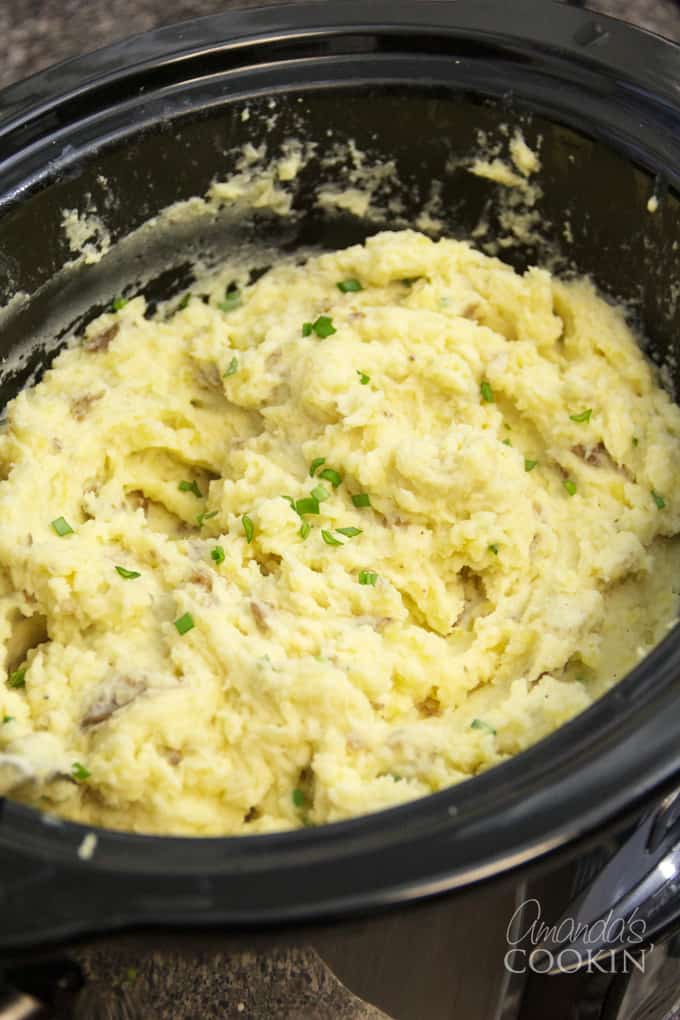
(570, 945)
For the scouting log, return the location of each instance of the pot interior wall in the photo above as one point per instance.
(431, 134)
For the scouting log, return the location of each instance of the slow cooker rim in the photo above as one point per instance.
(565, 29)
(414, 872)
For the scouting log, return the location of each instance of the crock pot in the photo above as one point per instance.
(588, 815)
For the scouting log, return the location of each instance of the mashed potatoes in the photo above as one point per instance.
(374, 524)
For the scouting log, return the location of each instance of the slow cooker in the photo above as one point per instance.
(429, 909)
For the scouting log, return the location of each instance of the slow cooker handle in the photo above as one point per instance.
(635, 896)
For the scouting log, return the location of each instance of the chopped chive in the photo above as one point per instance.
(309, 505)
(128, 574)
(582, 416)
(570, 486)
(232, 299)
(118, 303)
(7, 719)
(363, 378)
(185, 486)
(17, 678)
(361, 499)
(184, 623)
(305, 529)
(659, 500)
(506, 442)
(323, 327)
(367, 577)
(315, 465)
(206, 516)
(248, 527)
(62, 527)
(529, 465)
(298, 798)
(479, 724)
(320, 493)
(232, 367)
(307, 328)
(493, 548)
(289, 499)
(79, 772)
(329, 539)
(349, 532)
(486, 391)
(349, 286)
(217, 554)
(184, 302)
(581, 679)
(636, 441)
(331, 476)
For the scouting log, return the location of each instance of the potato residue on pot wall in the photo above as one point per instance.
(327, 542)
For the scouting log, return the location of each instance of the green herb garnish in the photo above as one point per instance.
(350, 286)
(185, 623)
(570, 486)
(232, 299)
(529, 465)
(331, 476)
(307, 328)
(79, 772)
(206, 516)
(329, 539)
(217, 554)
(232, 367)
(493, 548)
(320, 493)
(298, 798)
(635, 441)
(363, 378)
(305, 529)
(118, 303)
(184, 302)
(127, 574)
(7, 719)
(323, 327)
(486, 391)
(248, 527)
(315, 465)
(62, 527)
(506, 442)
(659, 500)
(349, 532)
(17, 678)
(185, 486)
(308, 505)
(582, 416)
(361, 499)
(479, 724)
(367, 577)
